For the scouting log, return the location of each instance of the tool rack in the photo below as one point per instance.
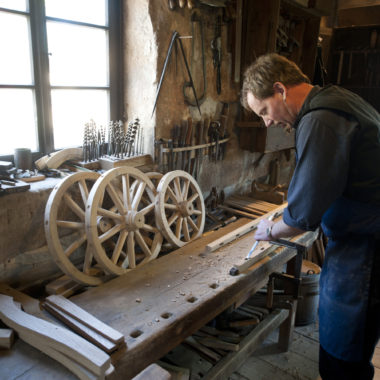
(160, 304)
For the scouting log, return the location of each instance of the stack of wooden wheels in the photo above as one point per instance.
(98, 226)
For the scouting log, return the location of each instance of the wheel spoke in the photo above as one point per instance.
(185, 188)
(70, 225)
(177, 188)
(173, 218)
(193, 197)
(126, 191)
(83, 191)
(147, 209)
(88, 256)
(75, 245)
(116, 199)
(186, 233)
(172, 195)
(141, 242)
(147, 227)
(138, 195)
(178, 228)
(110, 214)
(74, 207)
(119, 246)
(108, 234)
(131, 250)
(197, 212)
(192, 224)
(170, 206)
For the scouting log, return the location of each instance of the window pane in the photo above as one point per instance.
(17, 120)
(77, 55)
(17, 5)
(72, 109)
(89, 11)
(15, 62)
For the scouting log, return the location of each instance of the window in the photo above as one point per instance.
(60, 67)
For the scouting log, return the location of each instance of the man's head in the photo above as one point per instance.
(267, 84)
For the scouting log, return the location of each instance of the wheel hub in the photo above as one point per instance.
(134, 220)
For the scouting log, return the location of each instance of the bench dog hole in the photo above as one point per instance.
(166, 315)
(192, 299)
(135, 333)
(214, 286)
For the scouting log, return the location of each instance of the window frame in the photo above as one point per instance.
(40, 61)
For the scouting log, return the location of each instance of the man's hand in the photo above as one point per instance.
(262, 232)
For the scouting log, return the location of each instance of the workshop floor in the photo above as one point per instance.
(299, 363)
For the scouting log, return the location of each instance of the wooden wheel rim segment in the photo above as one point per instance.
(128, 190)
(60, 195)
(180, 211)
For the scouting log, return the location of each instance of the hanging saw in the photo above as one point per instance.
(175, 37)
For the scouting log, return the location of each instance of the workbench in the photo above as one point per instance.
(158, 305)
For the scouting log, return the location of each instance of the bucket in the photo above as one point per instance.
(307, 306)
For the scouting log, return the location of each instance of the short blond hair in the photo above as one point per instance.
(267, 70)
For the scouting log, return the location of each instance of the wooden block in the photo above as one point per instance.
(6, 338)
(88, 333)
(217, 343)
(34, 178)
(107, 163)
(38, 332)
(56, 159)
(86, 318)
(153, 372)
(64, 286)
(176, 372)
(202, 349)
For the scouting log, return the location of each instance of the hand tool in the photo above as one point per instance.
(175, 37)
(216, 47)
(301, 249)
(257, 241)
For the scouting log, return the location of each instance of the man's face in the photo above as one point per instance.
(273, 110)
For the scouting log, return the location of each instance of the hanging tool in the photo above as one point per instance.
(216, 47)
(257, 241)
(201, 98)
(175, 37)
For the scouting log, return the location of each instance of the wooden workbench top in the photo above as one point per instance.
(159, 304)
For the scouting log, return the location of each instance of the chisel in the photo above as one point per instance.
(257, 241)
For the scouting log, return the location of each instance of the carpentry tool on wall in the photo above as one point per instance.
(216, 47)
(196, 19)
(175, 37)
(257, 241)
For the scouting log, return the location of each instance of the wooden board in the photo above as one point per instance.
(47, 334)
(81, 315)
(107, 163)
(6, 338)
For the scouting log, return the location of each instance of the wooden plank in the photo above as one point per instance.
(53, 336)
(64, 286)
(6, 338)
(81, 329)
(153, 372)
(233, 360)
(107, 163)
(84, 317)
(250, 215)
(241, 230)
(29, 304)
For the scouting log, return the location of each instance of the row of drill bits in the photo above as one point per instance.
(120, 143)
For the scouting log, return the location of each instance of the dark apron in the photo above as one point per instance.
(345, 278)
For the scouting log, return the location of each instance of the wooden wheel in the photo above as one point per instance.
(65, 228)
(117, 213)
(179, 209)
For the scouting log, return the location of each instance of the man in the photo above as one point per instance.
(336, 184)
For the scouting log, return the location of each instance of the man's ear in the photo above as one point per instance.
(279, 87)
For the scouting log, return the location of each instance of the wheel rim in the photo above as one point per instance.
(179, 209)
(123, 200)
(64, 218)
